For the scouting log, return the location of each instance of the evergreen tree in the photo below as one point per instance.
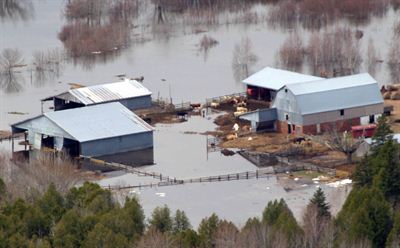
(181, 222)
(278, 215)
(319, 200)
(2, 190)
(207, 228)
(161, 219)
(382, 133)
(393, 239)
(365, 215)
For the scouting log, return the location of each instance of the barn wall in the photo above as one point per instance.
(286, 104)
(349, 113)
(137, 102)
(115, 145)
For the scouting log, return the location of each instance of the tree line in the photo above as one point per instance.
(89, 216)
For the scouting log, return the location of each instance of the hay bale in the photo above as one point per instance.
(392, 87)
(387, 95)
(395, 95)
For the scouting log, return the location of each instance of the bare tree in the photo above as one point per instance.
(243, 59)
(372, 57)
(317, 228)
(226, 235)
(25, 178)
(341, 142)
(9, 60)
(254, 236)
(155, 239)
(291, 53)
(16, 9)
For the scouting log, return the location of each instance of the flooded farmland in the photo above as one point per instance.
(174, 66)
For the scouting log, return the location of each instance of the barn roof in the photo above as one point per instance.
(275, 79)
(128, 88)
(94, 122)
(336, 93)
(110, 92)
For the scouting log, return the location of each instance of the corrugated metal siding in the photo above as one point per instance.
(350, 113)
(261, 115)
(286, 104)
(137, 102)
(114, 145)
(99, 122)
(110, 92)
(339, 99)
(42, 125)
(275, 79)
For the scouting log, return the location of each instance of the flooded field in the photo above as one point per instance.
(174, 66)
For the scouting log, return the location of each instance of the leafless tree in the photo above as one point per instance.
(243, 59)
(316, 228)
(394, 54)
(372, 57)
(16, 9)
(254, 236)
(35, 176)
(291, 53)
(155, 239)
(10, 59)
(341, 142)
(226, 235)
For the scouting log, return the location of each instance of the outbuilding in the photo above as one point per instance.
(322, 105)
(128, 92)
(264, 84)
(94, 131)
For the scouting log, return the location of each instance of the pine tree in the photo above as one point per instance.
(180, 222)
(161, 219)
(382, 133)
(319, 199)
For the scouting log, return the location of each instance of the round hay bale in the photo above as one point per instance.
(392, 87)
(387, 95)
(395, 95)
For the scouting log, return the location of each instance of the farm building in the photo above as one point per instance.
(321, 105)
(128, 92)
(264, 85)
(93, 131)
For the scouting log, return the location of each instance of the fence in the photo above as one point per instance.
(220, 178)
(220, 99)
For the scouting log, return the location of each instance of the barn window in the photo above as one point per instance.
(285, 90)
(342, 112)
(287, 117)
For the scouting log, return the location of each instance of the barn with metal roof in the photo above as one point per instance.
(264, 84)
(128, 92)
(93, 131)
(321, 105)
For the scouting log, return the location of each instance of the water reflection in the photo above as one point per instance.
(16, 10)
(11, 83)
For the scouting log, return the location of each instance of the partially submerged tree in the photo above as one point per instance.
(243, 59)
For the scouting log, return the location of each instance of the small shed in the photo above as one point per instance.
(93, 131)
(128, 92)
(264, 84)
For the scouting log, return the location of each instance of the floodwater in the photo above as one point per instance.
(173, 67)
(180, 151)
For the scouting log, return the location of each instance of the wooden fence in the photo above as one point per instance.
(220, 99)
(220, 178)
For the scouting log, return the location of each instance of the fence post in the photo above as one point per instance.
(257, 174)
(247, 175)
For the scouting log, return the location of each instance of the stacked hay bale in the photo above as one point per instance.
(391, 92)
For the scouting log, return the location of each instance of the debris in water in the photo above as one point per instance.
(340, 183)
(160, 194)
